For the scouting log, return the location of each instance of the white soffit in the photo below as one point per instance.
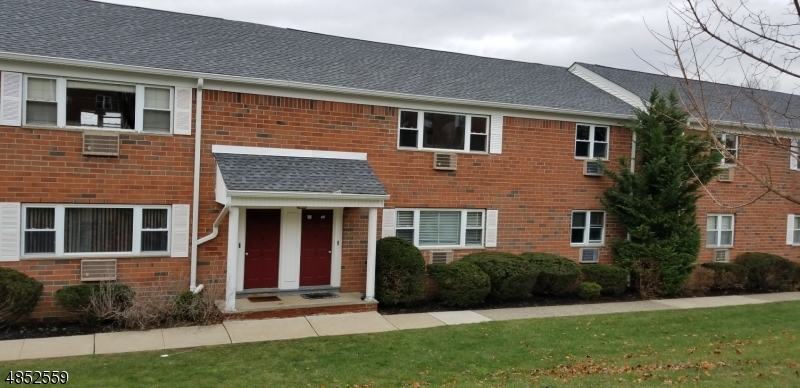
(240, 150)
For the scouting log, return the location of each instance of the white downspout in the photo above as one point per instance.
(196, 190)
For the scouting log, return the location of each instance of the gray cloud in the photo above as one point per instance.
(553, 32)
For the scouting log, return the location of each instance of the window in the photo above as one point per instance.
(100, 105)
(444, 131)
(64, 230)
(719, 230)
(796, 230)
(591, 141)
(587, 227)
(441, 228)
(794, 155)
(731, 143)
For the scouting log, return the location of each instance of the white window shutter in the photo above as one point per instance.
(9, 231)
(790, 230)
(794, 154)
(10, 98)
(180, 231)
(496, 135)
(387, 224)
(491, 228)
(183, 112)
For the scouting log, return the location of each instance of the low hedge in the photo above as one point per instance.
(460, 283)
(19, 294)
(512, 277)
(728, 276)
(613, 279)
(589, 290)
(767, 272)
(557, 275)
(111, 298)
(188, 305)
(400, 276)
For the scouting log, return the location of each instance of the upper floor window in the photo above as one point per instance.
(591, 141)
(102, 105)
(719, 230)
(443, 131)
(588, 227)
(794, 155)
(63, 230)
(441, 228)
(731, 143)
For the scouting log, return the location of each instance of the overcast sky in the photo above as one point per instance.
(554, 32)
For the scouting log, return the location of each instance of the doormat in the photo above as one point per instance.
(320, 295)
(258, 299)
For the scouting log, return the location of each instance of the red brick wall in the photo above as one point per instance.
(534, 183)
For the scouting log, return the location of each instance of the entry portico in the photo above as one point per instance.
(286, 216)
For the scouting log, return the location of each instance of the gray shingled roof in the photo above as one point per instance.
(115, 34)
(722, 102)
(289, 173)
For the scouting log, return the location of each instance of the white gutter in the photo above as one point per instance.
(196, 188)
(298, 85)
(296, 194)
(215, 230)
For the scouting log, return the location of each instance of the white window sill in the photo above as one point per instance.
(84, 129)
(589, 245)
(584, 158)
(80, 256)
(442, 150)
(719, 246)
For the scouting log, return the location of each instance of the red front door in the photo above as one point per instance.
(261, 248)
(315, 248)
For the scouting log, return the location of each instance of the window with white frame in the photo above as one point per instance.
(731, 143)
(101, 105)
(588, 227)
(441, 228)
(445, 131)
(719, 230)
(794, 155)
(591, 141)
(64, 230)
(796, 230)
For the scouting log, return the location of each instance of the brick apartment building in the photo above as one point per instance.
(148, 146)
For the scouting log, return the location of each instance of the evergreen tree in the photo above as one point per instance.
(657, 204)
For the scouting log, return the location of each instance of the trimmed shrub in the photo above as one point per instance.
(613, 279)
(512, 277)
(188, 305)
(95, 302)
(460, 283)
(557, 275)
(589, 290)
(701, 280)
(727, 276)
(768, 272)
(399, 272)
(19, 294)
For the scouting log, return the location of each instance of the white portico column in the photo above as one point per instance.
(233, 258)
(372, 237)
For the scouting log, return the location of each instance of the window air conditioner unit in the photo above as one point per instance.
(442, 161)
(592, 168)
(726, 175)
(100, 144)
(441, 257)
(590, 255)
(95, 270)
(722, 255)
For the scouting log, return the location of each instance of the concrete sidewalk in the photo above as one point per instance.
(340, 324)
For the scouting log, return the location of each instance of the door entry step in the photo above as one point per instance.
(259, 299)
(277, 292)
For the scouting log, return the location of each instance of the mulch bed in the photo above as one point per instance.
(51, 329)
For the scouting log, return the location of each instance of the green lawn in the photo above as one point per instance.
(752, 345)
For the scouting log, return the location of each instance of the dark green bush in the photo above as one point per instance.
(188, 305)
(512, 277)
(399, 272)
(557, 275)
(19, 294)
(767, 272)
(589, 290)
(460, 283)
(613, 279)
(95, 302)
(727, 276)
